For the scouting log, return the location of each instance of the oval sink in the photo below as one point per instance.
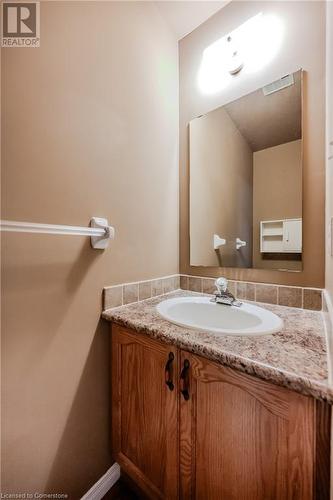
(202, 314)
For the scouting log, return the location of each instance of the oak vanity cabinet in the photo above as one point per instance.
(145, 412)
(218, 434)
(244, 438)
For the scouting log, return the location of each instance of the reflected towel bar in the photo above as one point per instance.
(99, 231)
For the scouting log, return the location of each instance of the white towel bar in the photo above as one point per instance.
(99, 231)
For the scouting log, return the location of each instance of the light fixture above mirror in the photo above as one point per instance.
(235, 63)
(246, 49)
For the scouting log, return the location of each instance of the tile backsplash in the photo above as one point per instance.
(127, 293)
(291, 296)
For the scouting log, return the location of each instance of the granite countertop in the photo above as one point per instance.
(295, 358)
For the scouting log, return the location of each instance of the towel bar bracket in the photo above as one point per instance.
(99, 231)
(101, 242)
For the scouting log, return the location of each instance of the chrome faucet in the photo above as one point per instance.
(222, 295)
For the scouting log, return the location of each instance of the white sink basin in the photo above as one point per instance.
(202, 314)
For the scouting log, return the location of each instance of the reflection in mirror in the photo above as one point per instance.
(246, 180)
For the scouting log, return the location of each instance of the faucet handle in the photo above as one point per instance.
(221, 285)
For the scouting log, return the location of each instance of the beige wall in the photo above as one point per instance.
(277, 194)
(220, 191)
(303, 46)
(89, 128)
(329, 162)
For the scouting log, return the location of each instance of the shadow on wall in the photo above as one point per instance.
(55, 353)
(45, 290)
(15, 276)
(79, 459)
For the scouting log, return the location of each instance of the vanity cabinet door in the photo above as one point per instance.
(244, 439)
(145, 409)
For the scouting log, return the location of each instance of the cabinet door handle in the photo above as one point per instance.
(184, 380)
(168, 371)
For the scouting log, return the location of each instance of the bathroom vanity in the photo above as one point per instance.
(197, 415)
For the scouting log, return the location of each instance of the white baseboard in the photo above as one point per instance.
(104, 484)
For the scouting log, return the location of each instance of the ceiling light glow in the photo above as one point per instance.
(247, 49)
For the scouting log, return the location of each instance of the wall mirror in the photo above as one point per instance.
(246, 180)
